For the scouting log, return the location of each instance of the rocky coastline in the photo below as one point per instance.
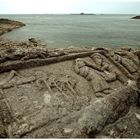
(7, 25)
(68, 92)
(136, 17)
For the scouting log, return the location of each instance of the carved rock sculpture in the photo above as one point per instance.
(98, 83)
(47, 93)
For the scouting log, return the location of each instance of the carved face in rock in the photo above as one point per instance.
(97, 58)
(79, 62)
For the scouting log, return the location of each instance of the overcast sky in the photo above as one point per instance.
(69, 6)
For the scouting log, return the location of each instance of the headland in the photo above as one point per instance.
(7, 25)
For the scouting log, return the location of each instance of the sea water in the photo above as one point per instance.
(78, 30)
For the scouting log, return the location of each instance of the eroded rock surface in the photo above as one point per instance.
(68, 93)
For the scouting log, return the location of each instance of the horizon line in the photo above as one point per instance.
(84, 13)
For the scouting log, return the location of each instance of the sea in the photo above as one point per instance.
(101, 30)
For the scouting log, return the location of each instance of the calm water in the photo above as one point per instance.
(78, 30)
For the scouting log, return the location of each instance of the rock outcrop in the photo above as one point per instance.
(136, 17)
(67, 93)
(7, 25)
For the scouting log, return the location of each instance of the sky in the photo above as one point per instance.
(69, 6)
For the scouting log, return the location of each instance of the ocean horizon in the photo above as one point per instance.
(64, 30)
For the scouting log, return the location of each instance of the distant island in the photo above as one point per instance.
(136, 17)
(83, 14)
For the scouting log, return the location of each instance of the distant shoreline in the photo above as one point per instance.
(70, 14)
(83, 14)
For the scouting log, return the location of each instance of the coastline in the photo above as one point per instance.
(63, 93)
(55, 35)
(36, 47)
(7, 25)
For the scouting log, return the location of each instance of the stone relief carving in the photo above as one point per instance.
(54, 87)
(8, 83)
(89, 71)
(61, 96)
(60, 83)
(102, 70)
(128, 60)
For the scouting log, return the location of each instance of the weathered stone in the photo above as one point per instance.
(65, 93)
(97, 82)
(101, 112)
(129, 65)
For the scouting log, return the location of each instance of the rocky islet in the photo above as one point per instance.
(136, 17)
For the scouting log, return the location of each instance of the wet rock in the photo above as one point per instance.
(33, 40)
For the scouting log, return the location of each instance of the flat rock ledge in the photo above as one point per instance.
(68, 93)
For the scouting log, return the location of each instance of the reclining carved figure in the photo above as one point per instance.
(98, 83)
(105, 68)
(128, 60)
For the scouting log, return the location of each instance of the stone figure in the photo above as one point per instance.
(110, 71)
(61, 83)
(104, 66)
(128, 60)
(98, 83)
